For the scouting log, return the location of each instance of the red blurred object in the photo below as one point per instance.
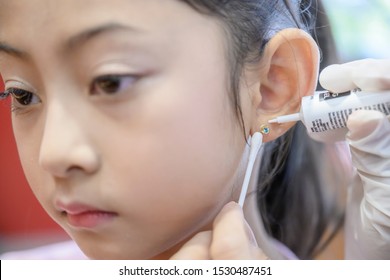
(20, 212)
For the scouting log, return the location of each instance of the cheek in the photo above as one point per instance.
(189, 138)
(179, 158)
(28, 136)
(182, 134)
(28, 143)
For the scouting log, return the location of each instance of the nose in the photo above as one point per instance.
(65, 145)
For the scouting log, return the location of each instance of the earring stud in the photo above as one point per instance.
(264, 129)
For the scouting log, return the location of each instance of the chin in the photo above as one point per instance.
(105, 250)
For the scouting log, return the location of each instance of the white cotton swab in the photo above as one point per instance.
(256, 142)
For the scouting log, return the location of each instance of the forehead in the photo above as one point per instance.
(43, 11)
(50, 20)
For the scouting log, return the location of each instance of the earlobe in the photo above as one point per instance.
(288, 71)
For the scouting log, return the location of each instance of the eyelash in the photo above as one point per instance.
(103, 85)
(4, 95)
(21, 96)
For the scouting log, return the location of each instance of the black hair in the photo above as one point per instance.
(292, 189)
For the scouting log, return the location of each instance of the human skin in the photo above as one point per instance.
(134, 172)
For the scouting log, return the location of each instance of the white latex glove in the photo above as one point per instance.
(368, 208)
(231, 238)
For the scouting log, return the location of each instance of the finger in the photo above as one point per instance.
(369, 140)
(367, 74)
(372, 74)
(197, 248)
(363, 123)
(337, 78)
(232, 236)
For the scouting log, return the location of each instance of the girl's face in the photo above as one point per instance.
(122, 119)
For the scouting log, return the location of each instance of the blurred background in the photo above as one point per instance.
(361, 29)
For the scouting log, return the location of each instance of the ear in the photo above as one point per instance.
(288, 71)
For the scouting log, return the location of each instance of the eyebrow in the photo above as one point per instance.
(74, 41)
(5, 48)
(89, 34)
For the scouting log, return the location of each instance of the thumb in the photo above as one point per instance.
(232, 236)
(197, 248)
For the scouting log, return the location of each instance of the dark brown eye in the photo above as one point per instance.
(23, 97)
(111, 84)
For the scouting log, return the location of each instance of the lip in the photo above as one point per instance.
(84, 216)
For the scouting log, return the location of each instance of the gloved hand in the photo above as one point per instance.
(368, 207)
(231, 238)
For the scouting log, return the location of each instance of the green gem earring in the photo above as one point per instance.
(264, 129)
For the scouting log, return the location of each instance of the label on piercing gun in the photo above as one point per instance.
(331, 95)
(338, 119)
(329, 114)
(325, 114)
